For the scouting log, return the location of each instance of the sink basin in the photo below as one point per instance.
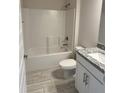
(98, 56)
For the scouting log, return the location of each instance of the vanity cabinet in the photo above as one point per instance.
(88, 80)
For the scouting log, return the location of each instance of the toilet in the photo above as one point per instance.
(68, 66)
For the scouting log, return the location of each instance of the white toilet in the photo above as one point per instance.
(68, 66)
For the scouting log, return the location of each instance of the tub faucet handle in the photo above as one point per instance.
(25, 56)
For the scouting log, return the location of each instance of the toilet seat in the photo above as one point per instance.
(68, 64)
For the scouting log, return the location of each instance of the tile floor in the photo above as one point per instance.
(49, 81)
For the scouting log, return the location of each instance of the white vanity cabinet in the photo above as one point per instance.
(88, 80)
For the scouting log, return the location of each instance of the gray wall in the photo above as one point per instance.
(102, 26)
(90, 13)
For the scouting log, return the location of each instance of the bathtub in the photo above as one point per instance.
(38, 59)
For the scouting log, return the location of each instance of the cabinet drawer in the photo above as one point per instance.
(98, 75)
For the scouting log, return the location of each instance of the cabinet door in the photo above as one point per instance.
(93, 80)
(79, 80)
(95, 86)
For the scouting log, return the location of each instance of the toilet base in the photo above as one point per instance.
(68, 73)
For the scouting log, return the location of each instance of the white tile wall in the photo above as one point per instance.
(70, 26)
(44, 4)
(39, 25)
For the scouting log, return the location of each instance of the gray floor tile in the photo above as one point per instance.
(49, 81)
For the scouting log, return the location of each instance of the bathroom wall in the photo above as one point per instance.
(90, 12)
(41, 25)
(44, 4)
(102, 26)
(77, 20)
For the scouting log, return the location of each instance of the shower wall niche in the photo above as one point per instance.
(48, 31)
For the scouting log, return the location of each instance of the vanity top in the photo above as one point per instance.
(95, 56)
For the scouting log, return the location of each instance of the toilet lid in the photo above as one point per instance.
(68, 64)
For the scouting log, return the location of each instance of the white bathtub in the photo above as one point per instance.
(37, 60)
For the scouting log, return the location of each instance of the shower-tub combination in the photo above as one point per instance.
(48, 37)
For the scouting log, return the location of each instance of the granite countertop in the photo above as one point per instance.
(84, 52)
